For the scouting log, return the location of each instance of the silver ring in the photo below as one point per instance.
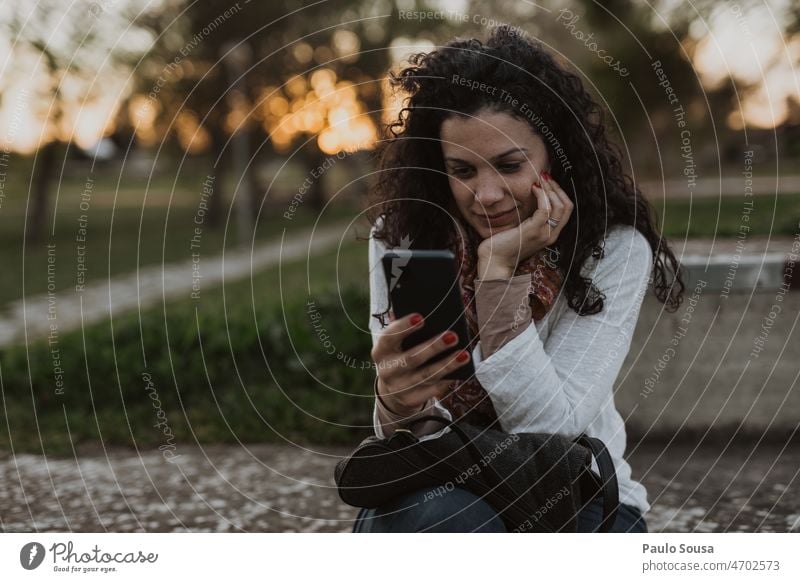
(552, 222)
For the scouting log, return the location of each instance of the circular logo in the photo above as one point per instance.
(31, 555)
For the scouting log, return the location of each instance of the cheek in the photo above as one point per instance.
(461, 193)
(522, 190)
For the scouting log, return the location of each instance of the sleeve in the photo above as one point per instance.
(563, 384)
(503, 310)
(385, 421)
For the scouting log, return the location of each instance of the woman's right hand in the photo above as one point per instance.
(406, 381)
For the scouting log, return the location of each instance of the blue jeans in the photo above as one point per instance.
(459, 510)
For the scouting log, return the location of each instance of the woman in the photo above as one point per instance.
(501, 155)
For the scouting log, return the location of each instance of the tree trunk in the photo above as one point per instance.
(314, 158)
(216, 211)
(45, 167)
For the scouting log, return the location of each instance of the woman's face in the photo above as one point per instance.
(491, 159)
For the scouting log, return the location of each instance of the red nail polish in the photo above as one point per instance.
(449, 338)
(546, 175)
(415, 319)
(462, 357)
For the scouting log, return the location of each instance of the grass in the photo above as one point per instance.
(120, 236)
(703, 217)
(133, 237)
(134, 221)
(242, 363)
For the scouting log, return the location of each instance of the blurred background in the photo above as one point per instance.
(182, 189)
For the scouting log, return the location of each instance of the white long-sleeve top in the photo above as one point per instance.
(558, 374)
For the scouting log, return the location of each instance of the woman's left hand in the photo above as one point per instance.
(499, 254)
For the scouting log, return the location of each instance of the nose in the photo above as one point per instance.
(489, 189)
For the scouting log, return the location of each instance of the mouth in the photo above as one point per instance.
(499, 218)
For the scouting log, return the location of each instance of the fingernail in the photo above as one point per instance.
(546, 175)
(415, 319)
(537, 184)
(450, 338)
(462, 356)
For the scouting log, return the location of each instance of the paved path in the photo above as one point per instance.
(155, 283)
(152, 284)
(28, 318)
(282, 488)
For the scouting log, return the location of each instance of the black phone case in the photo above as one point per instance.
(426, 282)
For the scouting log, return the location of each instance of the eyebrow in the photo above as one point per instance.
(497, 157)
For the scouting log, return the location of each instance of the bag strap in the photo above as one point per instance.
(476, 454)
(609, 487)
(498, 483)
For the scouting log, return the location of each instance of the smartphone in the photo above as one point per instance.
(426, 282)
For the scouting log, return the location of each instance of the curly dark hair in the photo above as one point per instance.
(412, 194)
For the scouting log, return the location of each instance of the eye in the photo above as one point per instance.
(510, 167)
(461, 171)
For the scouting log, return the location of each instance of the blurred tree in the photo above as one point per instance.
(313, 87)
(60, 59)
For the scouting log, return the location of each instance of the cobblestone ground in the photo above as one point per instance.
(273, 488)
